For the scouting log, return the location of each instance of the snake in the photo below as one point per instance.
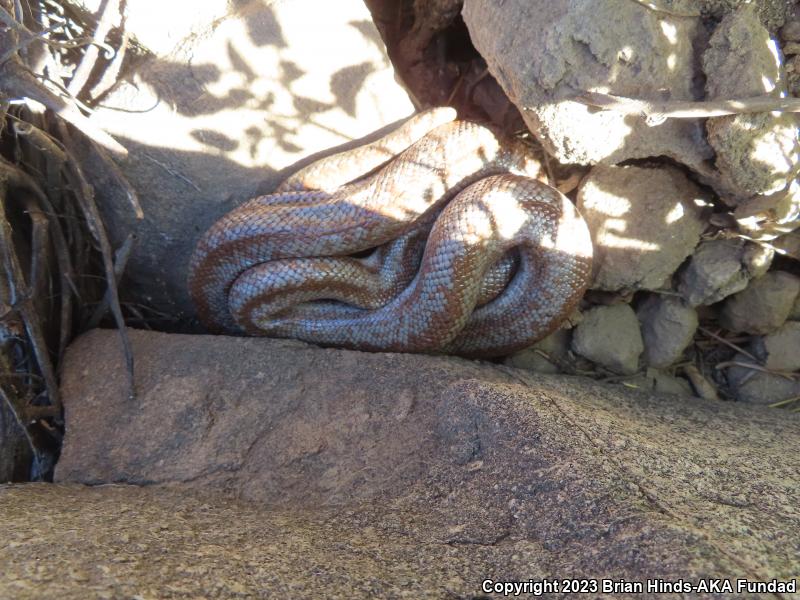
(440, 238)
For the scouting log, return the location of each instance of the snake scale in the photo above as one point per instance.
(437, 238)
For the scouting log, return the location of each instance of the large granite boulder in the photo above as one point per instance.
(392, 475)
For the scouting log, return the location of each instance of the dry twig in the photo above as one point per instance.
(656, 112)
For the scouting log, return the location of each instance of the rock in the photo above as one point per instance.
(660, 382)
(764, 306)
(780, 350)
(644, 223)
(789, 245)
(754, 386)
(668, 327)
(773, 13)
(790, 32)
(610, 336)
(755, 153)
(768, 217)
(555, 345)
(387, 476)
(231, 97)
(719, 268)
(577, 46)
(664, 383)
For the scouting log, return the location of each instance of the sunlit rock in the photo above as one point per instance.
(543, 52)
(768, 217)
(755, 153)
(644, 223)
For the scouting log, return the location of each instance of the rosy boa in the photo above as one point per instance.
(469, 253)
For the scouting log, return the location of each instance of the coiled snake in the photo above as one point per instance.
(452, 246)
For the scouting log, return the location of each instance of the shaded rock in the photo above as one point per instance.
(555, 346)
(780, 350)
(763, 306)
(659, 382)
(610, 336)
(388, 475)
(755, 386)
(618, 46)
(668, 327)
(755, 153)
(644, 223)
(789, 245)
(719, 268)
(790, 32)
(768, 217)
(793, 74)
(231, 97)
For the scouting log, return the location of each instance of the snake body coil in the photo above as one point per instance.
(469, 253)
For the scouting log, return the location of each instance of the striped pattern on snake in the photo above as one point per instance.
(467, 253)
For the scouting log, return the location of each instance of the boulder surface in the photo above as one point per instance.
(403, 473)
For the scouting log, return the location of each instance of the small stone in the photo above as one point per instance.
(788, 245)
(610, 336)
(662, 383)
(555, 345)
(780, 350)
(790, 32)
(763, 306)
(768, 217)
(668, 326)
(720, 268)
(756, 386)
(791, 48)
(644, 223)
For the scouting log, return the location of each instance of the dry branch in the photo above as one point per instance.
(656, 112)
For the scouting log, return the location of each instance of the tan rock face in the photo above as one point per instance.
(644, 223)
(543, 52)
(755, 153)
(390, 474)
(233, 96)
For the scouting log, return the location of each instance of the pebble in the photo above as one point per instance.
(719, 268)
(610, 336)
(763, 306)
(668, 327)
(780, 350)
(790, 32)
(555, 345)
(758, 387)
